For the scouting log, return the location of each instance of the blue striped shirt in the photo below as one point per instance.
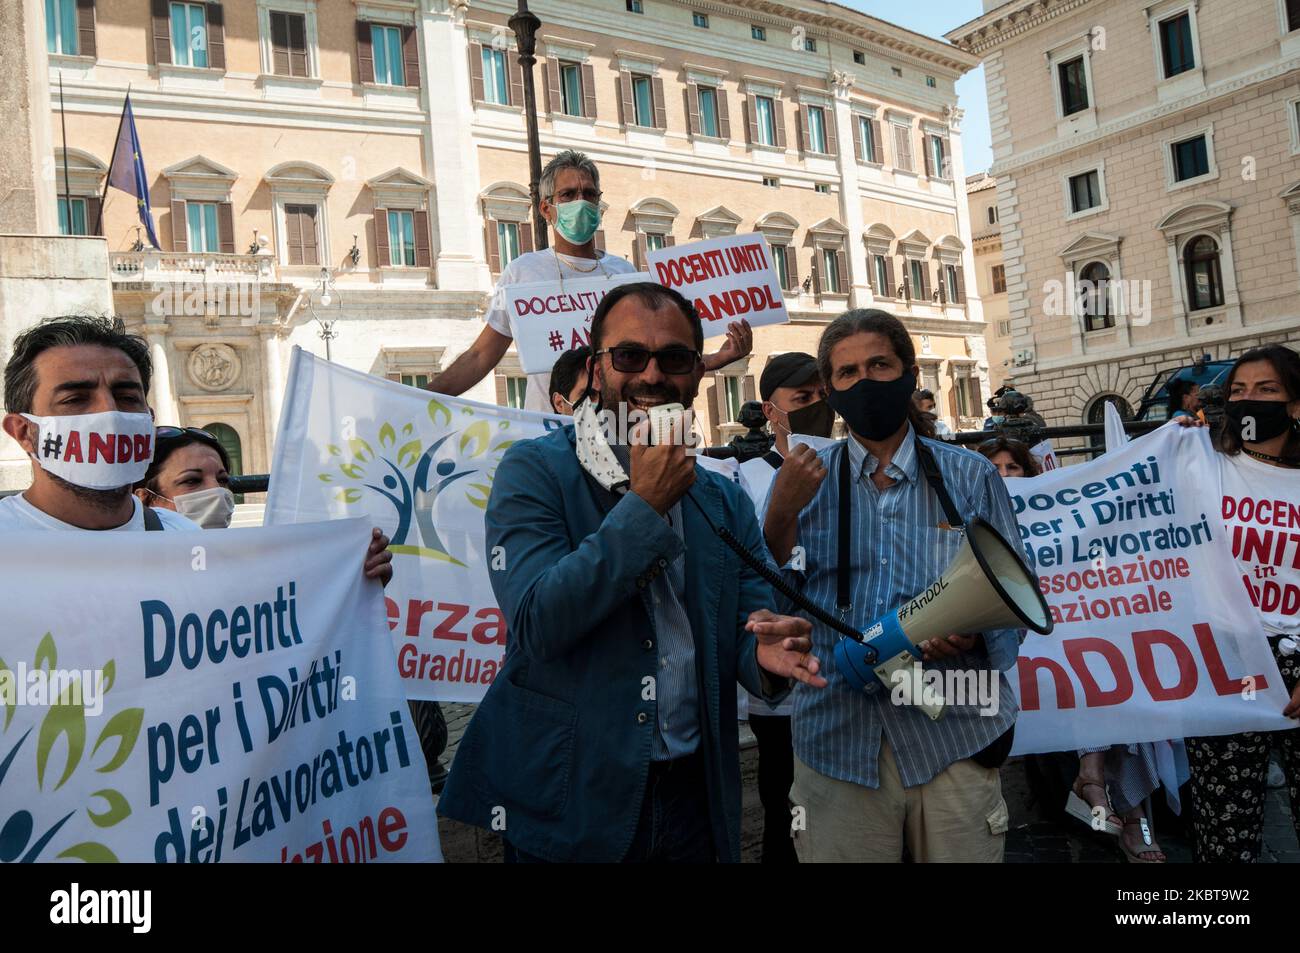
(897, 549)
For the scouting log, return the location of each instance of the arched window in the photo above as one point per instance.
(1204, 280)
(1094, 297)
(1097, 415)
(229, 440)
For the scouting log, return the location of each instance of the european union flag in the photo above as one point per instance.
(127, 171)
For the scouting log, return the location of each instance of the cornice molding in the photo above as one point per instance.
(1000, 26)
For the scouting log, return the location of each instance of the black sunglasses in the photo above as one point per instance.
(168, 432)
(633, 360)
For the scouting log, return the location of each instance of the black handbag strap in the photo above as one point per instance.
(929, 467)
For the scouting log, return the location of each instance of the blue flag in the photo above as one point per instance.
(127, 172)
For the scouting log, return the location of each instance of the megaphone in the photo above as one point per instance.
(987, 586)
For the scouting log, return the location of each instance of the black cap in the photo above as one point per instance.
(791, 369)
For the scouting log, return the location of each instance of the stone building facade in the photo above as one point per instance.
(1148, 178)
(350, 177)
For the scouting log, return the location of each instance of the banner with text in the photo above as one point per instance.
(551, 317)
(419, 466)
(728, 279)
(204, 697)
(1155, 636)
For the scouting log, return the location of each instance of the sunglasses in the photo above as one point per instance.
(633, 360)
(168, 432)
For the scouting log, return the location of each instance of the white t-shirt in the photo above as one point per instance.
(545, 265)
(17, 514)
(1261, 515)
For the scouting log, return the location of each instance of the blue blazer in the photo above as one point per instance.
(560, 748)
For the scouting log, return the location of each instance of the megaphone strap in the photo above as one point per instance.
(933, 476)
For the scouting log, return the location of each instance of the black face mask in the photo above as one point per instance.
(815, 420)
(1256, 421)
(874, 410)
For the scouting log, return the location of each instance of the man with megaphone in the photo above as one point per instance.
(906, 536)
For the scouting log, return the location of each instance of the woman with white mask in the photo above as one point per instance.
(190, 474)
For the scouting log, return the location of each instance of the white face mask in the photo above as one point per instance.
(211, 508)
(101, 451)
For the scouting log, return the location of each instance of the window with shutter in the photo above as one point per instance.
(401, 237)
(61, 28)
(189, 34)
(386, 46)
(288, 43)
(902, 147)
(571, 89)
(643, 103)
(708, 111)
(495, 83)
(300, 234)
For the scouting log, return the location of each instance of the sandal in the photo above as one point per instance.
(1150, 845)
(1078, 807)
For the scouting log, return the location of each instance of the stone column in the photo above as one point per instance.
(974, 304)
(850, 199)
(162, 396)
(272, 384)
(28, 199)
(451, 153)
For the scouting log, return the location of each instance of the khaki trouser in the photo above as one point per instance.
(957, 816)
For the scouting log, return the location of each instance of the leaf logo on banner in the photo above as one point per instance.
(411, 475)
(66, 719)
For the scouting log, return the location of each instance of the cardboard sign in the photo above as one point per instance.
(551, 317)
(1046, 453)
(728, 279)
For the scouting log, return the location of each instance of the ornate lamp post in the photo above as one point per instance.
(525, 24)
(324, 287)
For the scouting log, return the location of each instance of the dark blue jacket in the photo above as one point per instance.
(558, 751)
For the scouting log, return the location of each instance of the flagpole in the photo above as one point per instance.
(63, 122)
(103, 197)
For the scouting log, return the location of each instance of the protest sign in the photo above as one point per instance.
(728, 279)
(551, 317)
(204, 697)
(1154, 636)
(1046, 455)
(420, 467)
(1262, 515)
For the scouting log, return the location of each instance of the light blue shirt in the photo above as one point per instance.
(897, 549)
(677, 715)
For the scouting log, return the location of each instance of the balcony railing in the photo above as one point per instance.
(153, 265)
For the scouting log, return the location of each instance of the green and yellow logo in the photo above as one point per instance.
(65, 719)
(413, 477)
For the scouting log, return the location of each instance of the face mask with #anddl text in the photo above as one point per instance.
(101, 451)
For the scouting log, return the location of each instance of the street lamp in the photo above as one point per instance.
(525, 24)
(324, 284)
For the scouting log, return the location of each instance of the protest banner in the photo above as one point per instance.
(728, 279)
(204, 697)
(420, 467)
(551, 317)
(1154, 637)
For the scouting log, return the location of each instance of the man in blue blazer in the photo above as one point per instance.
(610, 732)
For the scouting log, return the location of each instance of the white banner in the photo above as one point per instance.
(204, 697)
(1155, 637)
(419, 466)
(728, 279)
(551, 317)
